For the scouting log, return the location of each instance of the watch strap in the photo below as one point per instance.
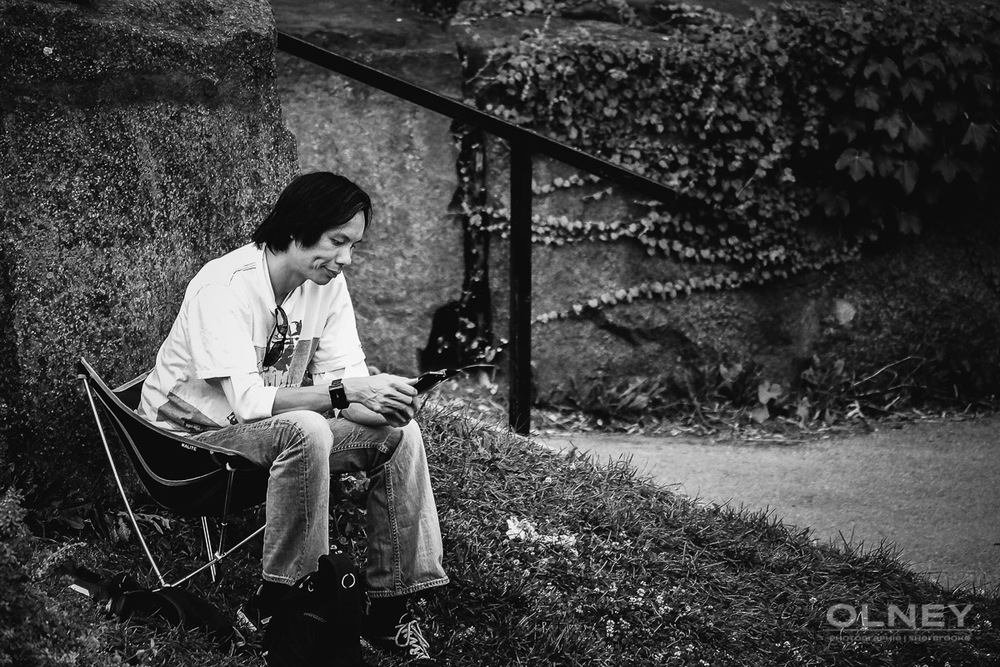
(338, 397)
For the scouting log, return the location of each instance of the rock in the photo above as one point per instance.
(138, 140)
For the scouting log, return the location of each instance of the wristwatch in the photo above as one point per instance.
(337, 395)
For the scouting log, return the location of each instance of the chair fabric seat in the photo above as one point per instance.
(176, 472)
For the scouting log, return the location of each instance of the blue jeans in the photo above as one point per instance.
(302, 449)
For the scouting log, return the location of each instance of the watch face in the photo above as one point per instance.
(338, 397)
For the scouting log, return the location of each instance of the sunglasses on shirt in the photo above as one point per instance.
(276, 346)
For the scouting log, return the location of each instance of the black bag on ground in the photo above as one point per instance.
(318, 622)
(178, 606)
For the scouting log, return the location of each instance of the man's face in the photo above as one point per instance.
(331, 254)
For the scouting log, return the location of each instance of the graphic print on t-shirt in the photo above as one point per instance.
(277, 374)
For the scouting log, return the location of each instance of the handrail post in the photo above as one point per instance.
(519, 412)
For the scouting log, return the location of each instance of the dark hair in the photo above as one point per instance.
(308, 207)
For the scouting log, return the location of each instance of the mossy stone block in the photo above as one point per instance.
(138, 140)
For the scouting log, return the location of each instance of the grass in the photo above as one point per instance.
(557, 561)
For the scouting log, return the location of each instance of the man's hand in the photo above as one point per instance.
(391, 396)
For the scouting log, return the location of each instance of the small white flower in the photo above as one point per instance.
(47, 50)
(520, 529)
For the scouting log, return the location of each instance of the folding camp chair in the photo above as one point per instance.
(178, 473)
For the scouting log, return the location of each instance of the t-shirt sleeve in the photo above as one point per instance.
(359, 370)
(219, 331)
(250, 399)
(339, 344)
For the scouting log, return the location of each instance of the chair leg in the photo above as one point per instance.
(212, 554)
(224, 520)
(121, 486)
(215, 553)
(222, 555)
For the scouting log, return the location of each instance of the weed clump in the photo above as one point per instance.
(34, 628)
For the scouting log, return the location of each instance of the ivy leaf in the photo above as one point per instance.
(978, 135)
(768, 391)
(886, 70)
(867, 98)
(849, 127)
(947, 167)
(968, 53)
(834, 204)
(802, 411)
(892, 125)
(928, 62)
(760, 414)
(917, 139)
(909, 223)
(858, 164)
(917, 88)
(906, 173)
(730, 375)
(884, 165)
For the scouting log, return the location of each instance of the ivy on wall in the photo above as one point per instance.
(807, 132)
(908, 113)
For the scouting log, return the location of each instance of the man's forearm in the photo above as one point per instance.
(315, 398)
(382, 392)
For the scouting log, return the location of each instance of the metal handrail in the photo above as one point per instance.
(524, 143)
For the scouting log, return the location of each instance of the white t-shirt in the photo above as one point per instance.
(222, 331)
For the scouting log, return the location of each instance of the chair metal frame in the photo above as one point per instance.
(224, 483)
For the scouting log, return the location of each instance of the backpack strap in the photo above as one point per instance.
(177, 606)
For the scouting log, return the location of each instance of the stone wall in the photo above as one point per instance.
(928, 299)
(411, 261)
(933, 296)
(137, 140)
(405, 155)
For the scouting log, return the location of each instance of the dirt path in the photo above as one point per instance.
(932, 488)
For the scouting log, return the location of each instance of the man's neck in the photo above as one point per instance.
(282, 282)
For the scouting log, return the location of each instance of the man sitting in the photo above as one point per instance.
(253, 325)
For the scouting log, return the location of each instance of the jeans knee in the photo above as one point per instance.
(308, 432)
(412, 430)
(408, 437)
